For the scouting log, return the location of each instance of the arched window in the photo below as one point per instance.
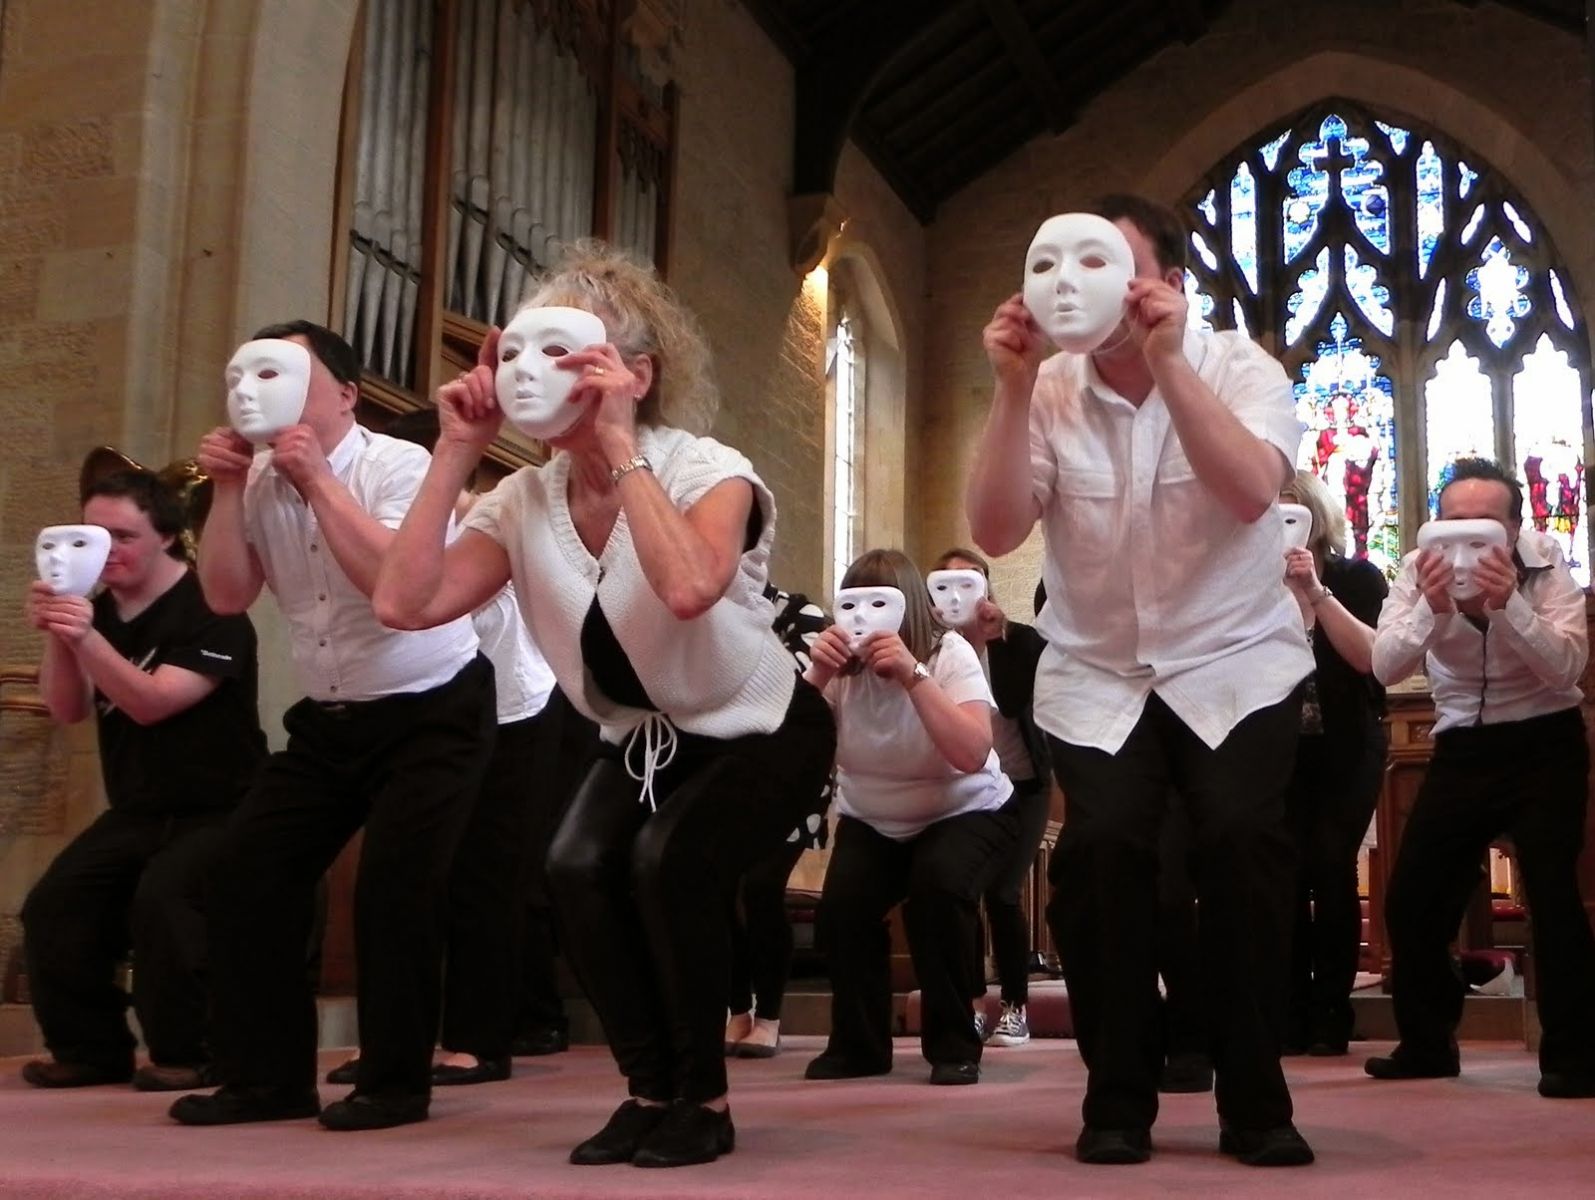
(1418, 306)
(846, 367)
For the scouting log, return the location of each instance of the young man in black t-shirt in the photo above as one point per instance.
(173, 690)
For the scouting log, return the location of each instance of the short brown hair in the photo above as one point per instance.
(969, 556)
(893, 568)
(1161, 225)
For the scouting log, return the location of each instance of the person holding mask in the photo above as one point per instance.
(639, 553)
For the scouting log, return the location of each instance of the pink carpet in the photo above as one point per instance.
(1486, 1134)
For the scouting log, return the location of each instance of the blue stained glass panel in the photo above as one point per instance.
(1472, 227)
(1348, 407)
(1270, 150)
(1437, 311)
(1431, 205)
(1304, 303)
(1518, 223)
(1459, 417)
(1373, 297)
(1206, 253)
(1209, 207)
(1243, 224)
(1240, 318)
(1466, 178)
(1199, 304)
(1564, 311)
(1398, 137)
(1499, 300)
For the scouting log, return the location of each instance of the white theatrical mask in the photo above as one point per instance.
(532, 391)
(268, 381)
(1298, 522)
(71, 557)
(1462, 544)
(1077, 275)
(861, 611)
(955, 595)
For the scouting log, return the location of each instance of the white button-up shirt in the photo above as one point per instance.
(521, 675)
(1152, 584)
(341, 652)
(1525, 662)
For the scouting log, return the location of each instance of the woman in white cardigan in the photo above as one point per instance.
(639, 553)
(925, 819)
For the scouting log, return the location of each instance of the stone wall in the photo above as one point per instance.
(1513, 90)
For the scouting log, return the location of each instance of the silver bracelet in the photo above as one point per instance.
(1323, 594)
(637, 462)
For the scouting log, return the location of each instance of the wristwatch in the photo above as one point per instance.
(921, 673)
(638, 462)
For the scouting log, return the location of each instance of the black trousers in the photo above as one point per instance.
(567, 744)
(127, 882)
(1179, 950)
(1104, 908)
(486, 906)
(406, 767)
(938, 876)
(1332, 796)
(1522, 778)
(641, 894)
(1009, 926)
(761, 934)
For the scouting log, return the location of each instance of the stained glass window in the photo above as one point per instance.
(1417, 304)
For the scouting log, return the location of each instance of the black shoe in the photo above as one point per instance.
(1397, 1065)
(346, 1073)
(486, 1070)
(1281, 1146)
(545, 1039)
(1113, 1147)
(376, 1110)
(240, 1105)
(48, 1073)
(834, 1066)
(153, 1077)
(1186, 1073)
(690, 1134)
(954, 1073)
(618, 1140)
(1567, 1085)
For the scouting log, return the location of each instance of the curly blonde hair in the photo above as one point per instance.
(641, 316)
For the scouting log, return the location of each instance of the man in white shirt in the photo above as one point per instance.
(1510, 757)
(1173, 663)
(392, 736)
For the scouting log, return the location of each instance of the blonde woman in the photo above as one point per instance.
(1340, 761)
(639, 554)
(925, 819)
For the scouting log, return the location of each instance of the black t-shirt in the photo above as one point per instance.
(1349, 699)
(205, 756)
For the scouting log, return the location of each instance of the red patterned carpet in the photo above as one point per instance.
(1486, 1134)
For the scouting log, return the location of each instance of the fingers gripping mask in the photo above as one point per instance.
(533, 392)
(1298, 522)
(71, 557)
(955, 595)
(1462, 544)
(861, 611)
(268, 381)
(1077, 275)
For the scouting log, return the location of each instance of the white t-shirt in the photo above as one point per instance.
(889, 773)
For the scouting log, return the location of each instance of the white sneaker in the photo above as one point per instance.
(980, 1025)
(1012, 1029)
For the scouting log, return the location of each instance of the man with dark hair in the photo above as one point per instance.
(1174, 661)
(172, 689)
(392, 736)
(1510, 757)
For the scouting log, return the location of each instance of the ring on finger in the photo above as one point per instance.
(600, 370)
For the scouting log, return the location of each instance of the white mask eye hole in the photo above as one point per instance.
(1041, 266)
(508, 355)
(877, 604)
(555, 351)
(268, 372)
(848, 606)
(1094, 261)
(1477, 545)
(80, 543)
(49, 545)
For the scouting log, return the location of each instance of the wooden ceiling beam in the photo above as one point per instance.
(1019, 42)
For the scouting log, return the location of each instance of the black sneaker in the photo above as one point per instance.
(618, 1140)
(1113, 1147)
(230, 1105)
(689, 1134)
(1281, 1146)
(1397, 1065)
(486, 1070)
(376, 1110)
(954, 1073)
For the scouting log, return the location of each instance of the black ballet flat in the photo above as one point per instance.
(622, 1134)
(486, 1070)
(690, 1134)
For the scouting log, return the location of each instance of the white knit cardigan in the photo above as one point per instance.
(721, 674)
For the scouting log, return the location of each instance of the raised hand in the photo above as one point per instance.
(1434, 576)
(887, 656)
(1156, 314)
(468, 411)
(224, 455)
(614, 389)
(1014, 344)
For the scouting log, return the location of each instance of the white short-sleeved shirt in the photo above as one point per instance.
(341, 651)
(522, 677)
(889, 773)
(1152, 584)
